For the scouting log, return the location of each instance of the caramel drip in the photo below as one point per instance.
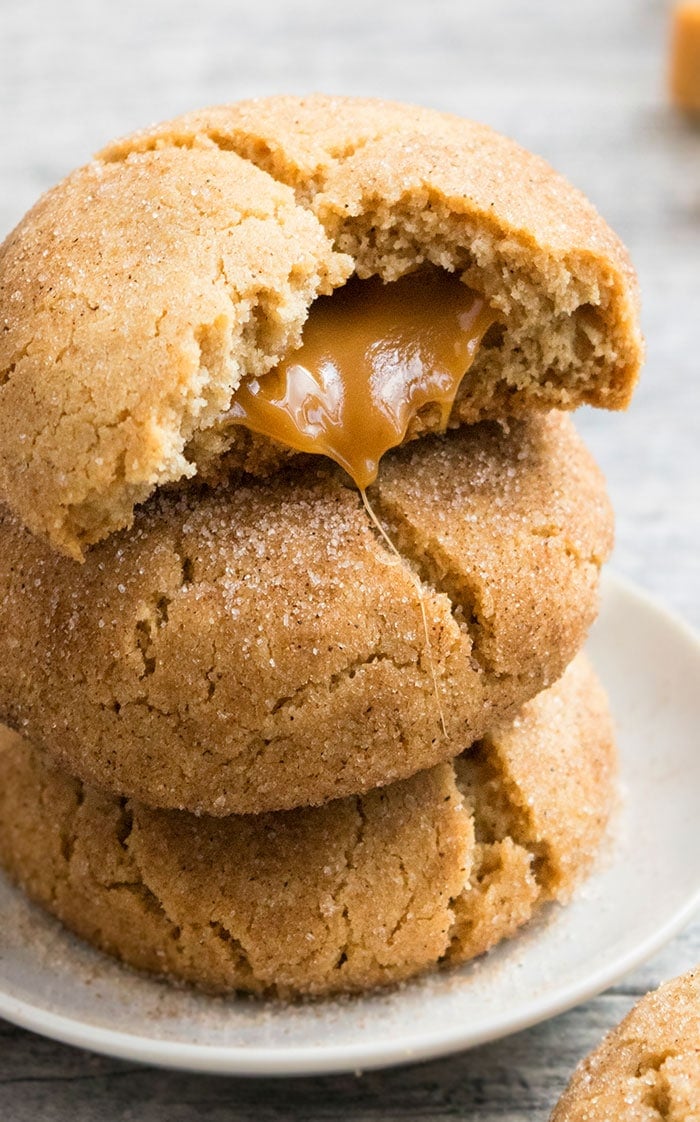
(372, 355)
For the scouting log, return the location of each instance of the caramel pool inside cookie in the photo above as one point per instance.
(372, 356)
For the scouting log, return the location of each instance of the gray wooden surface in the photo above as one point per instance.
(583, 84)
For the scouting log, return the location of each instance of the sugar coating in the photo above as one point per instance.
(361, 892)
(646, 1069)
(259, 647)
(137, 293)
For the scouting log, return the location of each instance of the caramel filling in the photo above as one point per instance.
(372, 356)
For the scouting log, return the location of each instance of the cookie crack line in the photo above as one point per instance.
(141, 886)
(406, 911)
(236, 950)
(655, 1095)
(69, 830)
(570, 547)
(7, 372)
(519, 815)
(148, 627)
(296, 699)
(483, 874)
(428, 560)
(350, 854)
(260, 155)
(421, 564)
(24, 351)
(292, 701)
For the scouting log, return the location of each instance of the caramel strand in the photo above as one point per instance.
(428, 645)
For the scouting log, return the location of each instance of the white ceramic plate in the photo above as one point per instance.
(644, 890)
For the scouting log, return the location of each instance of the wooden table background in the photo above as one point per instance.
(583, 84)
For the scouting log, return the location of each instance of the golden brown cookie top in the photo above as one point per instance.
(328, 148)
(138, 293)
(645, 1069)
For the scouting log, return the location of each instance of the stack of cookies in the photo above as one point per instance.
(299, 546)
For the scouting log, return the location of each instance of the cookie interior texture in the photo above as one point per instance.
(648, 1068)
(358, 893)
(259, 647)
(138, 293)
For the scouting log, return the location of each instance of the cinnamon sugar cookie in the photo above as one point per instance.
(259, 647)
(358, 893)
(648, 1068)
(138, 294)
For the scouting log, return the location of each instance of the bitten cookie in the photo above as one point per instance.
(646, 1069)
(259, 647)
(138, 293)
(358, 893)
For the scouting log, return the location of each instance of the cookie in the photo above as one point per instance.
(139, 293)
(645, 1069)
(260, 647)
(358, 893)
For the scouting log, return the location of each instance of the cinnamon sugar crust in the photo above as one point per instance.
(259, 647)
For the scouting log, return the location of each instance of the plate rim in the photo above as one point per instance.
(326, 1059)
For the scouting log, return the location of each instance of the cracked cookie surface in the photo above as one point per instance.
(648, 1068)
(361, 892)
(259, 647)
(138, 293)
